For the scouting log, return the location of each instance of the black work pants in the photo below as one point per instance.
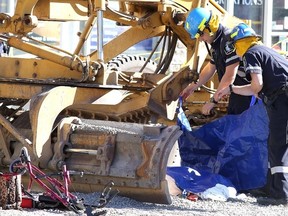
(278, 147)
(238, 103)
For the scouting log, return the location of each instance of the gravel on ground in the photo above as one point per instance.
(242, 206)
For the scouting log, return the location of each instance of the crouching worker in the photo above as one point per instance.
(269, 74)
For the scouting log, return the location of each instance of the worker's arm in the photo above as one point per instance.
(205, 75)
(227, 79)
(252, 89)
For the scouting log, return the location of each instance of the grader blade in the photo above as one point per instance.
(133, 156)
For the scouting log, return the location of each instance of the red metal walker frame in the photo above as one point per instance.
(57, 191)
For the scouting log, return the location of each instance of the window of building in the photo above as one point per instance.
(280, 26)
(251, 10)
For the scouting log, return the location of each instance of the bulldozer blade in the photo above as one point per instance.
(133, 156)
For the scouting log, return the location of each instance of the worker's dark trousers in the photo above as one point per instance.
(238, 104)
(278, 147)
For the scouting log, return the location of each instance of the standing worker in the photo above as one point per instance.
(205, 26)
(269, 74)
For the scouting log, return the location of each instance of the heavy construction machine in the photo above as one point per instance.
(111, 122)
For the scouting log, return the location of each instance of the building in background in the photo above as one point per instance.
(269, 18)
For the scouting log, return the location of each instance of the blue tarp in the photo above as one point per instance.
(234, 146)
(192, 180)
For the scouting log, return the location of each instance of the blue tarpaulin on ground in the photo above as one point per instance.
(196, 181)
(234, 146)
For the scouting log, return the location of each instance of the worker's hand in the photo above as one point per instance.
(216, 96)
(223, 92)
(187, 92)
(207, 108)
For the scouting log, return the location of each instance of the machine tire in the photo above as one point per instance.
(132, 63)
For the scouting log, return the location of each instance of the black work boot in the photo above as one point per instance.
(272, 201)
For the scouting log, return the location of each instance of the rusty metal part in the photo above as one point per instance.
(197, 118)
(133, 156)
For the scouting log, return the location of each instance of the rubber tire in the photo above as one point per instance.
(132, 63)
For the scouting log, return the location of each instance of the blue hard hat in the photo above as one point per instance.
(196, 21)
(241, 31)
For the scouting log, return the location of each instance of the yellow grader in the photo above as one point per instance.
(95, 116)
